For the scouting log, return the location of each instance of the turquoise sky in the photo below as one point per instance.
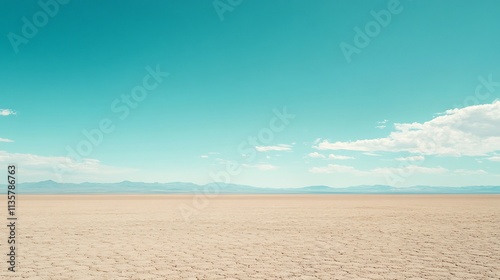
(230, 68)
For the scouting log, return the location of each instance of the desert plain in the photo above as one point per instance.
(256, 237)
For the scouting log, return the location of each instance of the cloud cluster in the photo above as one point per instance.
(411, 158)
(381, 124)
(38, 168)
(330, 156)
(315, 155)
(469, 131)
(339, 157)
(494, 158)
(279, 148)
(410, 169)
(335, 168)
(261, 167)
(7, 112)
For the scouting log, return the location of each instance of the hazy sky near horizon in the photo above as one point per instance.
(265, 93)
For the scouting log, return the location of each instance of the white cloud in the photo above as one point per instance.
(62, 169)
(371, 154)
(339, 157)
(411, 169)
(411, 158)
(315, 155)
(280, 147)
(330, 156)
(381, 124)
(263, 167)
(470, 172)
(335, 168)
(494, 158)
(224, 161)
(7, 112)
(209, 154)
(384, 171)
(469, 131)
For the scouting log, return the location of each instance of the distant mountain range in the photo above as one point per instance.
(126, 187)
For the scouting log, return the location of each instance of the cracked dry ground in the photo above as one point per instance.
(258, 237)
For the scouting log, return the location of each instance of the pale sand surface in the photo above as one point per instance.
(258, 237)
